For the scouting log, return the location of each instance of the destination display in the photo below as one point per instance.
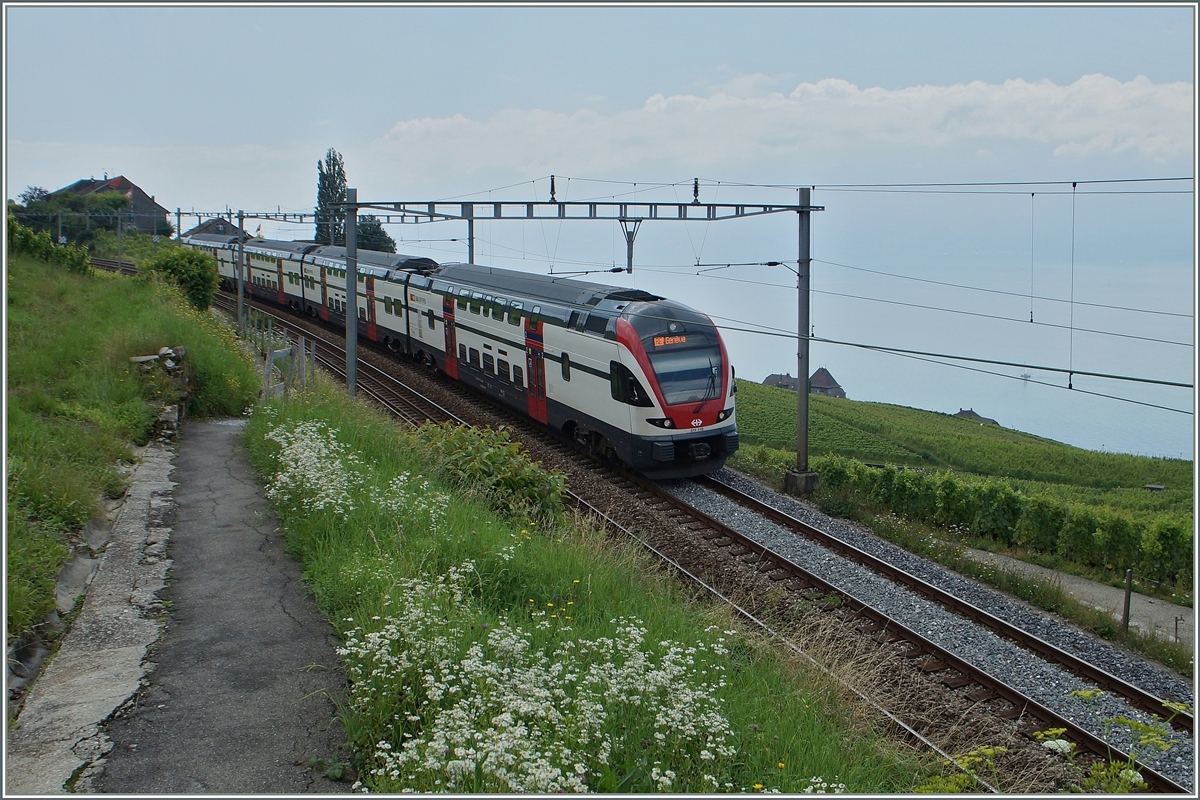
(662, 341)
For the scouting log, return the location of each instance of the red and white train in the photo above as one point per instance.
(626, 373)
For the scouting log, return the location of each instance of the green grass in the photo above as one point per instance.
(75, 404)
(462, 618)
(899, 435)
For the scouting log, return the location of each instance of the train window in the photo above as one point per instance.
(474, 357)
(362, 313)
(462, 352)
(518, 375)
(429, 318)
(573, 320)
(475, 305)
(502, 369)
(514, 314)
(596, 323)
(462, 299)
(387, 305)
(566, 367)
(489, 363)
(535, 316)
(625, 386)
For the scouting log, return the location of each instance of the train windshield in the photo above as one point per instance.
(683, 347)
(688, 376)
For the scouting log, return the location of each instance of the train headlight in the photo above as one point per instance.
(664, 422)
(724, 414)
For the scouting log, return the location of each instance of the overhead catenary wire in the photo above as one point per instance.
(704, 274)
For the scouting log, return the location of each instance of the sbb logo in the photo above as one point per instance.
(696, 423)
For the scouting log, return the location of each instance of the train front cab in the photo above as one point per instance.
(682, 420)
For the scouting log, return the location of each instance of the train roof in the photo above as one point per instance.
(211, 239)
(279, 246)
(550, 288)
(375, 258)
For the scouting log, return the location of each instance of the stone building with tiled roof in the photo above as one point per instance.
(821, 382)
(147, 215)
(969, 413)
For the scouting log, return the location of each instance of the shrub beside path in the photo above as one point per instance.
(238, 695)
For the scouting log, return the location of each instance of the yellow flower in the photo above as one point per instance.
(575, 581)
(570, 602)
(780, 765)
(549, 605)
(758, 787)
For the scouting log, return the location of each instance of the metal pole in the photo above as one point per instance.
(803, 268)
(470, 240)
(59, 239)
(1128, 593)
(241, 254)
(118, 237)
(351, 288)
(178, 225)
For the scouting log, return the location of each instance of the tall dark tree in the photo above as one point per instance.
(34, 194)
(331, 189)
(372, 236)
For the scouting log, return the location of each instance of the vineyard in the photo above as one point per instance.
(877, 432)
(1018, 491)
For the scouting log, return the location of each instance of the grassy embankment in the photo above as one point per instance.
(75, 404)
(951, 482)
(462, 614)
(496, 644)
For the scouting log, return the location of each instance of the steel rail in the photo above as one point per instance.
(1105, 680)
(940, 658)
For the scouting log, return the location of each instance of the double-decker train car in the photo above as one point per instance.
(626, 373)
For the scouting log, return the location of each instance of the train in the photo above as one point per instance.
(625, 373)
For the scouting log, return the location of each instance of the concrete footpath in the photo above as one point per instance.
(235, 694)
(1146, 614)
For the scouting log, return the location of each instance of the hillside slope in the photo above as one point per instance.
(899, 435)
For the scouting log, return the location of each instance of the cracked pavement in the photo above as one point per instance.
(240, 689)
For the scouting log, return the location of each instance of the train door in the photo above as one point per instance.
(282, 299)
(372, 330)
(324, 314)
(535, 368)
(451, 337)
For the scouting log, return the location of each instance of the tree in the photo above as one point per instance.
(33, 194)
(372, 236)
(331, 189)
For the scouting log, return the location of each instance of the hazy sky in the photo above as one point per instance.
(209, 107)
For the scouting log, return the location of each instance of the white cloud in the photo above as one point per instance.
(825, 125)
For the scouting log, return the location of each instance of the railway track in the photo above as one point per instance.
(111, 265)
(957, 674)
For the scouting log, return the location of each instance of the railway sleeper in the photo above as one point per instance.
(982, 695)
(1011, 713)
(934, 665)
(957, 681)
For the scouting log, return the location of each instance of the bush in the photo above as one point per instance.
(194, 272)
(1167, 551)
(1040, 524)
(1119, 542)
(998, 512)
(40, 245)
(915, 496)
(1077, 540)
(957, 504)
(486, 460)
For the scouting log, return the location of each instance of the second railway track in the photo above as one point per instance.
(970, 679)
